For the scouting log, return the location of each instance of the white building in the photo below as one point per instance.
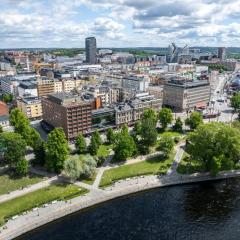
(136, 83)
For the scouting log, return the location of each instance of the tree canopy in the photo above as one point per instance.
(165, 117)
(194, 120)
(13, 146)
(81, 144)
(56, 150)
(213, 143)
(235, 102)
(125, 146)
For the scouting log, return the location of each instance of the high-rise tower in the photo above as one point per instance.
(91, 50)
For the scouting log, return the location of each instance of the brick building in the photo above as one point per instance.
(68, 111)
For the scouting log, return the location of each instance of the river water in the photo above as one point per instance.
(208, 211)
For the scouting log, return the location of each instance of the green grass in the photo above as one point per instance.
(170, 134)
(9, 181)
(104, 150)
(189, 166)
(156, 165)
(89, 180)
(38, 198)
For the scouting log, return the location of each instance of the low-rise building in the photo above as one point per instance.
(186, 95)
(68, 111)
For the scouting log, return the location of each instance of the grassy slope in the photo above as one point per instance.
(10, 182)
(37, 198)
(156, 165)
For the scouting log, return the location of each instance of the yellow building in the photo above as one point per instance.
(31, 107)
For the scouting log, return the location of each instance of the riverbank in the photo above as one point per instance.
(60, 209)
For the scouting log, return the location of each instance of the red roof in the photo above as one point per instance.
(3, 109)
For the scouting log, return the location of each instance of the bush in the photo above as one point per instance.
(22, 167)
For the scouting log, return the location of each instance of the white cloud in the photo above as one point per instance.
(119, 22)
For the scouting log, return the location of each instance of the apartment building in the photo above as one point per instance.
(68, 111)
(31, 107)
(132, 111)
(186, 95)
(135, 83)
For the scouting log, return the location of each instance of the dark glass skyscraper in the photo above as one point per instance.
(91, 50)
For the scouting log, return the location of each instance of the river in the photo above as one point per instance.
(209, 211)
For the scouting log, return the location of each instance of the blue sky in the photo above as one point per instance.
(119, 23)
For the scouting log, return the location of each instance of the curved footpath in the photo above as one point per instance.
(45, 215)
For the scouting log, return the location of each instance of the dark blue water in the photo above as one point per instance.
(208, 211)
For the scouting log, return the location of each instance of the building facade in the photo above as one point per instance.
(31, 107)
(69, 112)
(186, 95)
(91, 50)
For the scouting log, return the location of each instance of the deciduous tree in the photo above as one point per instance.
(194, 120)
(165, 117)
(56, 150)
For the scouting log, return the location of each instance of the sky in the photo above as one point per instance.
(119, 23)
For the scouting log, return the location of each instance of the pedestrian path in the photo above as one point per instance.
(31, 188)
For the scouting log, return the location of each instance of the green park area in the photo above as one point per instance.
(156, 165)
(11, 182)
(104, 150)
(38, 198)
(188, 165)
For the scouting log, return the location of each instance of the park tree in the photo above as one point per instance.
(150, 113)
(94, 145)
(148, 132)
(110, 136)
(137, 128)
(97, 138)
(1, 129)
(81, 144)
(125, 129)
(166, 145)
(178, 125)
(73, 167)
(18, 120)
(56, 150)
(125, 146)
(165, 117)
(22, 167)
(39, 152)
(13, 146)
(88, 165)
(213, 143)
(194, 120)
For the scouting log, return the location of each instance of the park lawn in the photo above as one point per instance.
(89, 180)
(38, 198)
(189, 166)
(9, 181)
(156, 165)
(170, 133)
(104, 150)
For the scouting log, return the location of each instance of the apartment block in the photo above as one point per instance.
(31, 107)
(68, 111)
(132, 111)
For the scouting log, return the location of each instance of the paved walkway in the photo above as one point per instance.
(31, 188)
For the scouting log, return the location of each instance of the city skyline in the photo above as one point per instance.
(120, 23)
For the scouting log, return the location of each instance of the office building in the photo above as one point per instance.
(186, 95)
(69, 112)
(91, 50)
